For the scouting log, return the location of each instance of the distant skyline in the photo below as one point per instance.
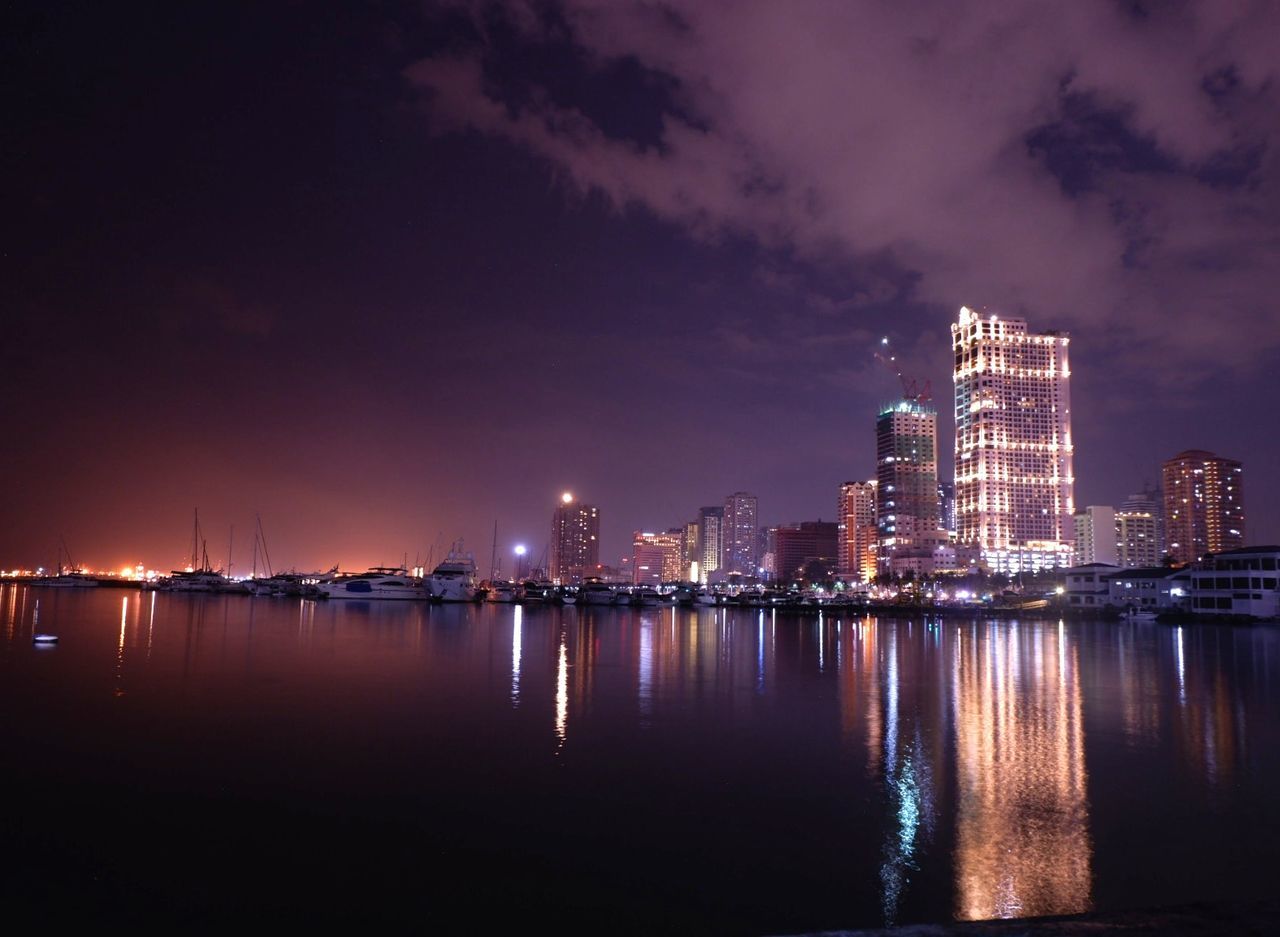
(386, 276)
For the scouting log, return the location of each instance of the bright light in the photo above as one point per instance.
(566, 497)
(126, 572)
(520, 549)
(1060, 590)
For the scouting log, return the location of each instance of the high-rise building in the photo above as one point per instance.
(801, 546)
(691, 552)
(711, 547)
(1137, 542)
(856, 526)
(656, 557)
(575, 540)
(739, 556)
(1203, 505)
(907, 473)
(1014, 477)
(947, 507)
(1095, 535)
(1150, 501)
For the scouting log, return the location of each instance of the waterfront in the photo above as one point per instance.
(213, 759)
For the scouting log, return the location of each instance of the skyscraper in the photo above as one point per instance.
(1014, 477)
(947, 506)
(856, 517)
(907, 473)
(711, 531)
(656, 557)
(575, 540)
(740, 535)
(805, 547)
(1149, 501)
(1203, 505)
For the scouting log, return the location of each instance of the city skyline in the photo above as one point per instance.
(412, 271)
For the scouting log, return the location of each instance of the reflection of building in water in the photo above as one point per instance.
(1209, 714)
(1022, 824)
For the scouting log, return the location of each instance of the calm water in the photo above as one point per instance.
(188, 759)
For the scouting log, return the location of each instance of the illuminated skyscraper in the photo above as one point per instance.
(1014, 477)
(575, 540)
(740, 554)
(856, 516)
(1137, 542)
(1203, 505)
(711, 532)
(907, 472)
(655, 557)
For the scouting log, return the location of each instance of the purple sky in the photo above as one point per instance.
(385, 277)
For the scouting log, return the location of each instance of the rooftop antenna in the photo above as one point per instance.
(911, 389)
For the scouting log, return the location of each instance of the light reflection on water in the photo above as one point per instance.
(948, 769)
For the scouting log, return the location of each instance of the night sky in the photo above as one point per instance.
(388, 275)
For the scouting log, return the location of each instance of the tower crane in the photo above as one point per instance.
(912, 390)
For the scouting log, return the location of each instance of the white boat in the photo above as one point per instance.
(704, 596)
(199, 580)
(535, 591)
(596, 592)
(290, 584)
(1135, 613)
(379, 582)
(646, 596)
(44, 639)
(454, 580)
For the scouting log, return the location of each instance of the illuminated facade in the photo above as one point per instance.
(1137, 540)
(856, 519)
(656, 558)
(1014, 481)
(740, 554)
(1203, 505)
(575, 540)
(907, 494)
(711, 546)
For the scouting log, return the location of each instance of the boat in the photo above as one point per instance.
(1136, 613)
(646, 596)
(199, 580)
(624, 595)
(67, 578)
(596, 591)
(704, 596)
(291, 583)
(378, 582)
(44, 639)
(500, 590)
(535, 591)
(454, 579)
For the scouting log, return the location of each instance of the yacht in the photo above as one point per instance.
(645, 595)
(704, 596)
(199, 580)
(596, 591)
(535, 591)
(380, 582)
(70, 580)
(454, 580)
(290, 584)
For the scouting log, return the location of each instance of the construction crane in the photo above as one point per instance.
(911, 389)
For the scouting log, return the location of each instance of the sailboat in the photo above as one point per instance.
(199, 577)
(68, 578)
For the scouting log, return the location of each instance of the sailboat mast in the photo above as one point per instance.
(493, 556)
(231, 537)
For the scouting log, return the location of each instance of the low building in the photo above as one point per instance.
(1243, 582)
(1087, 587)
(1152, 588)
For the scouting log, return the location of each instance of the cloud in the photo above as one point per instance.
(861, 133)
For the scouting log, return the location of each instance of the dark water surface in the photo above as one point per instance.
(187, 760)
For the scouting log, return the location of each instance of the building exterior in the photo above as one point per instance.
(711, 532)
(691, 552)
(907, 515)
(801, 545)
(656, 557)
(856, 527)
(1095, 535)
(1203, 505)
(1137, 540)
(1087, 586)
(1243, 582)
(947, 507)
(575, 540)
(1154, 588)
(740, 553)
(1149, 501)
(1014, 477)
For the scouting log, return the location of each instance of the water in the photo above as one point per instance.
(195, 760)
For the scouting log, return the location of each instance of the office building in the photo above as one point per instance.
(711, 546)
(575, 540)
(740, 549)
(907, 515)
(1203, 505)
(656, 557)
(806, 551)
(1014, 479)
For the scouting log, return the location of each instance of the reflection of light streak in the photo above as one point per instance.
(124, 615)
(760, 653)
(151, 622)
(645, 687)
(818, 631)
(1182, 665)
(518, 620)
(1022, 823)
(562, 691)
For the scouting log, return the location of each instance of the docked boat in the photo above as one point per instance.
(379, 582)
(535, 591)
(199, 580)
(70, 580)
(596, 592)
(646, 596)
(704, 596)
(500, 590)
(454, 580)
